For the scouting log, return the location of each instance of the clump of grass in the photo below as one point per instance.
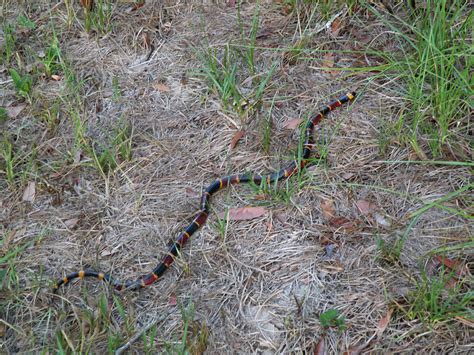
(6, 151)
(434, 62)
(9, 43)
(437, 300)
(107, 156)
(98, 17)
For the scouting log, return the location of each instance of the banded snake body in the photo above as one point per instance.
(201, 216)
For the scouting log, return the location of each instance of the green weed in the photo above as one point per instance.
(22, 84)
(3, 114)
(99, 18)
(51, 60)
(6, 151)
(9, 43)
(107, 156)
(437, 299)
(332, 319)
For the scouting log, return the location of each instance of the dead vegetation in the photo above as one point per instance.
(122, 112)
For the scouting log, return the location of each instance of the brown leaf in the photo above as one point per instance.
(14, 111)
(161, 87)
(292, 124)
(341, 222)
(29, 193)
(87, 4)
(383, 322)
(71, 223)
(336, 27)
(244, 213)
(328, 209)
(56, 77)
(328, 60)
(172, 300)
(138, 5)
(235, 139)
(365, 207)
(319, 349)
(449, 263)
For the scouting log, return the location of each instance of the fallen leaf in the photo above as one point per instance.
(328, 60)
(138, 5)
(328, 209)
(14, 111)
(161, 87)
(56, 77)
(29, 193)
(449, 263)
(71, 223)
(336, 27)
(341, 222)
(365, 207)
(235, 139)
(383, 322)
(231, 3)
(172, 300)
(319, 349)
(244, 213)
(87, 4)
(292, 124)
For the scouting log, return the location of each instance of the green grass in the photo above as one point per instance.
(435, 300)
(434, 63)
(99, 18)
(9, 159)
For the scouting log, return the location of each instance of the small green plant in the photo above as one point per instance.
(51, 60)
(332, 319)
(9, 43)
(22, 84)
(108, 156)
(6, 151)
(25, 23)
(3, 114)
(439, 299)
(99, 17)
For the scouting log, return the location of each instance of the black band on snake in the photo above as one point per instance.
(201, 216)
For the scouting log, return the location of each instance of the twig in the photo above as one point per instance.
(137, 335)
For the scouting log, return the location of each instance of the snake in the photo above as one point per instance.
(201, 216)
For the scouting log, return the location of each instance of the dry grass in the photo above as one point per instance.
(257, 285)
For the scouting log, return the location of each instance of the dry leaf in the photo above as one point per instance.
(172, 300)
(30, 191)
(71, 223)
(87, 4)
(292, 124)
(14, 111)
(161, 87)
(341, 222)
(383, 322)
(320, 348)
(56, 77)
(329, 211)
(328, 60)
(449, 263)
(244, 213)
(237, 136)
(365, 207)
(336, 27)
(3, 330)
(381, 220)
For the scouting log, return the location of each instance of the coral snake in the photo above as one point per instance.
(203, 213)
